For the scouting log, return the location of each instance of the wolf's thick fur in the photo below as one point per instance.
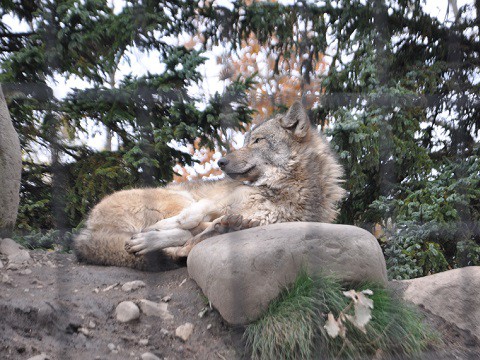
(284, 172)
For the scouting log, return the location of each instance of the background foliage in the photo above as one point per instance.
(395, 88)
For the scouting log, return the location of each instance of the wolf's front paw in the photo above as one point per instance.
(144, 242)
(248, 223)
(137, 245)
(228, 223)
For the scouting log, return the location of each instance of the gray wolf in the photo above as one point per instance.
(284, 172)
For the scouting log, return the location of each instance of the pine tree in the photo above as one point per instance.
(401, 95)
(89, 40)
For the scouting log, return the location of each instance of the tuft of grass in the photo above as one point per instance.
(204, 299)
(293, 325)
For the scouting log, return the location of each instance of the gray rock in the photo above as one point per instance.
(20, 257)
(1, 264)
(202, 312)
(242, 272)
(16, 254)
(9, 247)
(84, 331)
(143, 342)
(11, 170)
(453, 295)
(6, 279)
(167, 298)
(133, 285)
(127, 311)
(13, 266)
(184, 331)
(151, 308)
(149, 356)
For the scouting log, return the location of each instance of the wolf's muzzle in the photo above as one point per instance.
(222, 162)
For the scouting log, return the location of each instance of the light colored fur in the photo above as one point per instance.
(284, 172)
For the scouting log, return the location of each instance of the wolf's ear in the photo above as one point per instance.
(296, 120)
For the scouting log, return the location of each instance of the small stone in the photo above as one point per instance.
(167, 298)
(6, 279)
(127, 311)
(183, 282)
(164, 332)
(52, 265)
(91, 325)
(143, 342)
(151, 308)
(184, 331)
(84, 331)
(1, 264)
(149, 356)
(13, 266)
(26, 290)
(111, 346)
(96, 290)
(202, 313)
(209, 326)
(133, 285)
(110, 287)
(26, 272)
(42, 356)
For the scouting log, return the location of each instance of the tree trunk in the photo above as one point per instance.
(10, 170)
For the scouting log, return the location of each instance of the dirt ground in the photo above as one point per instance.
(48, 310)
(66, 310)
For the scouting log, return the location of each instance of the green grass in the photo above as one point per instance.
(292, 327)
(46, 240)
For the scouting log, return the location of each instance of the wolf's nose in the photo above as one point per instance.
(222, 162)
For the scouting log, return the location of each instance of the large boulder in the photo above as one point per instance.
(453, 295)
(10, 170)
(242, 272)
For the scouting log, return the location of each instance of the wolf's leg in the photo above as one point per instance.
(188, 218)
(145, 242)
(225, 224)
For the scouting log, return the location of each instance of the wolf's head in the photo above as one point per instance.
(272, 148)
